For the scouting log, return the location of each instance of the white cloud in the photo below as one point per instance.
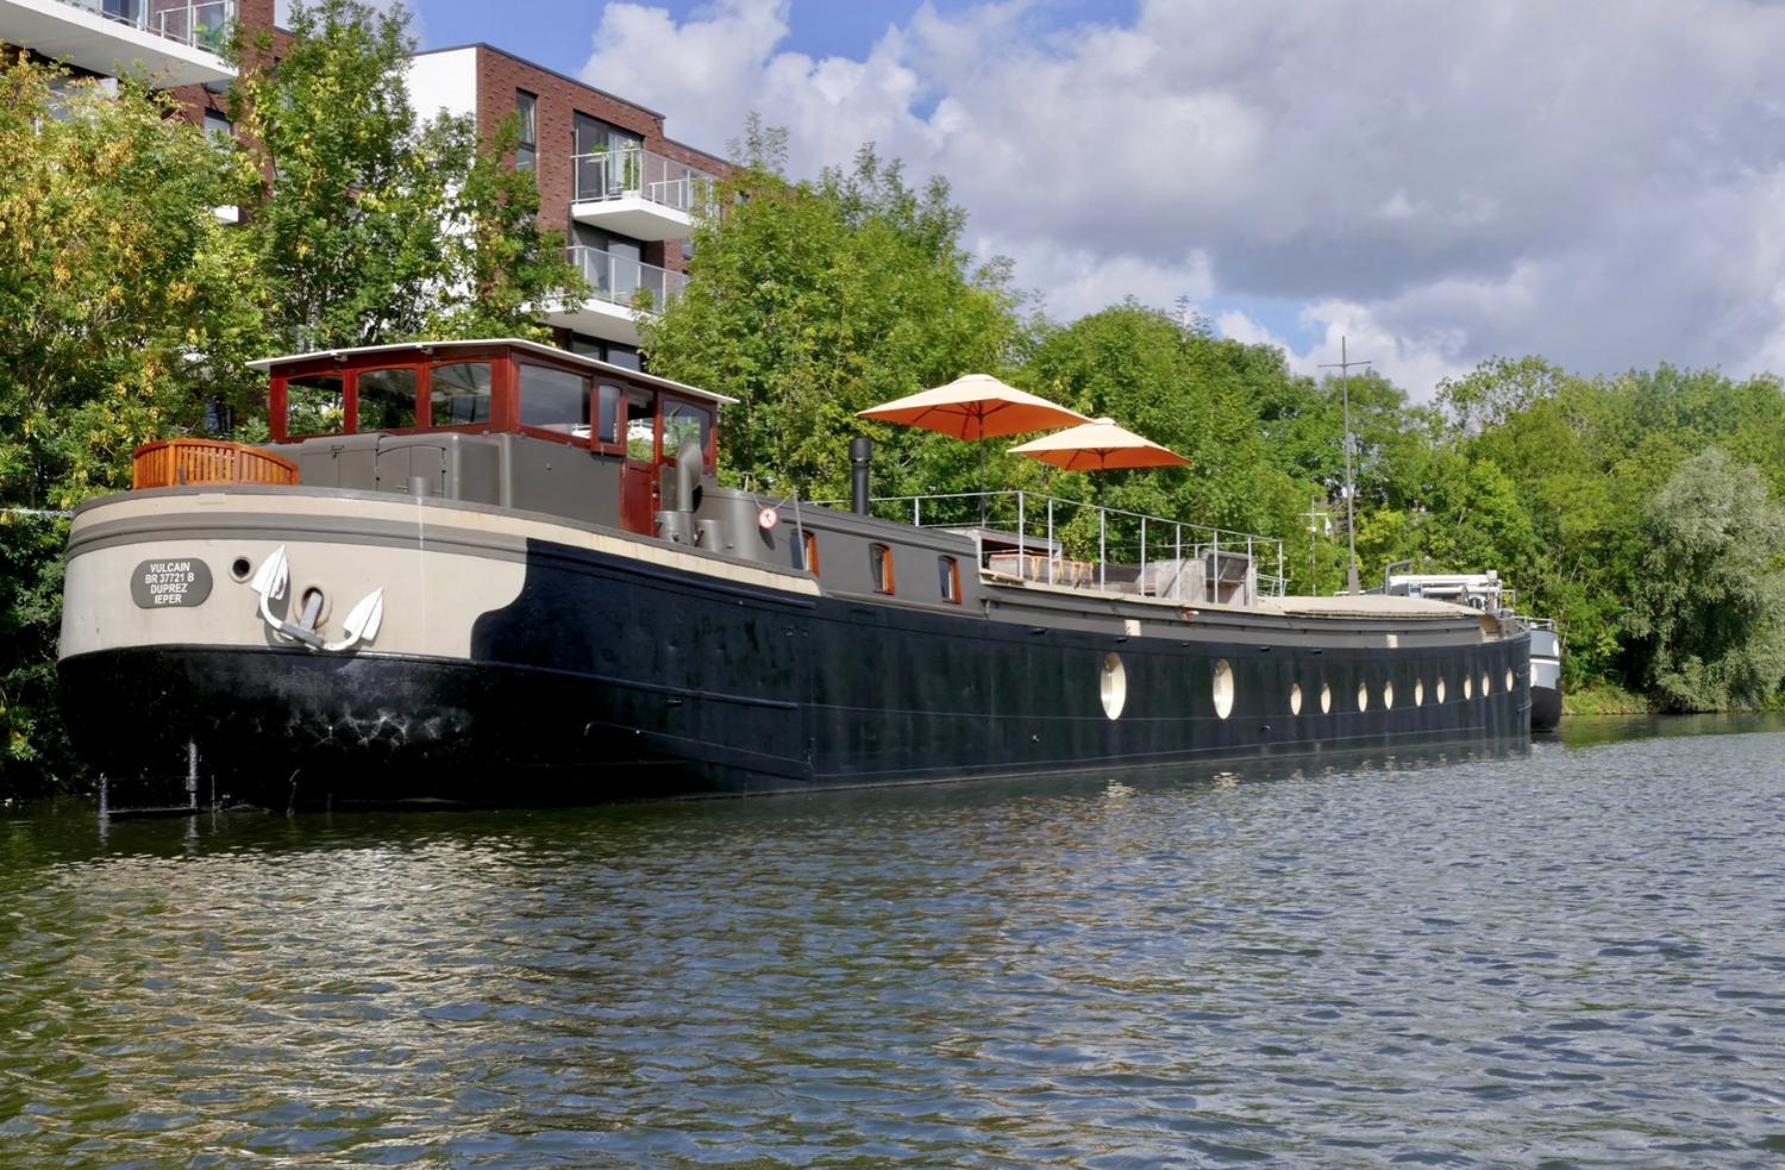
(1595, 181)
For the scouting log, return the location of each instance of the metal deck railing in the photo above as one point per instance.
(1050, 540)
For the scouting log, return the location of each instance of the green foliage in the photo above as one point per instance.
(1710, 604)
(371, 226)
(811, 301)
(129, 309)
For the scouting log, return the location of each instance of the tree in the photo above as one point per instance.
(809, 301)
(371, 225)
(130, 311)
(1710, 606)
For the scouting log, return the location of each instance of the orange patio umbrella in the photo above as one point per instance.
(975, 406)
(1099, 446)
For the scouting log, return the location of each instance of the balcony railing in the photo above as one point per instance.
(628, 282)
(202, 24)
(615, 174)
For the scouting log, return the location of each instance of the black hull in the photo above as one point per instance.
(607, 678)
(1546, 708)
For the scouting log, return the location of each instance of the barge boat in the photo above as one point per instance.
(496, 571)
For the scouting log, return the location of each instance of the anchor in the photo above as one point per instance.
(270, 581)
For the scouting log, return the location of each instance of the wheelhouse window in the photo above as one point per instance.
(685, 423)
(880, 567)
(459, 394)
(386, 400)
(641, 428)
(315, 405)
(607, 412)
(554, 400)
(526, 151)
(948, 571)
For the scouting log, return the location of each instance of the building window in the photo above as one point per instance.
(386, 400)
(948, 570)
(219, 129)
(880, 567)
(526, 152)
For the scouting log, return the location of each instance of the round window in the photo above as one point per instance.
(1295, 698)
(1388, 695)
(1510, 679)
(1326, 699)
(1468, 687)
(1223, 688)
(1440, 688)
(1419, 692)
(1363, 696)
(1484, 684)
(1115, 685)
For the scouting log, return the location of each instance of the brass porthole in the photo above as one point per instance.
(1223, 688)
(1114, 685)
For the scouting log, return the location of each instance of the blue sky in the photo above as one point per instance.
(1595, 181)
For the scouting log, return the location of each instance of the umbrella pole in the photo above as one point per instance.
(982, 480)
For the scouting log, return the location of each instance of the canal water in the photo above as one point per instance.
(1570, 958)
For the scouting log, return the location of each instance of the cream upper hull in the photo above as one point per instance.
(441, 568)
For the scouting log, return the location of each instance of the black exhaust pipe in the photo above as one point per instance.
(861, 455)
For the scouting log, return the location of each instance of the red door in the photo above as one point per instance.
(639, 486)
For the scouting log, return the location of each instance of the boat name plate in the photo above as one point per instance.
(178, 581)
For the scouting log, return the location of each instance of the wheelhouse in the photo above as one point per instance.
(426, 394)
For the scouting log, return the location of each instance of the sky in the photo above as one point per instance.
(1600, 182)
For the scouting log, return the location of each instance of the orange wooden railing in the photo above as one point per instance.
(175, 462)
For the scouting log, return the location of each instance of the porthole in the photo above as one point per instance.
(1326, 699)
(1295, 698)
(1419, 692)
(1440, 688)
(1388, 695)
(1485, 687)
(1363, 696)
(1468, 687)
(1223, 688)
(1511, 682)
(1115, 685)
(240, 568)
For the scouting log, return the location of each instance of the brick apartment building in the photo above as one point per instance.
(622, 193)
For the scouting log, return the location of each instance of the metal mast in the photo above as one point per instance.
(1343, 365)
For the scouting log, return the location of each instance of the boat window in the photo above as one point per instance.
(949, 571)
(880, 567)
(554, 400)
(1419, 692)
(1440, 688)
(641, 429)
(1486, 687)
(1114, 685)
(1388, 695)
(607, 419)
(1363, 696)
(811, 553)
(459, 394)
(386, 400)
(1511, 682)
(1468, 687)
(1326, 699)
(315, 405)
(1223, 689)
(1295, 698)
(683, 422)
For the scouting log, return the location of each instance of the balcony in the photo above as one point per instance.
(637, 193)
(622, 291)
(172, 42)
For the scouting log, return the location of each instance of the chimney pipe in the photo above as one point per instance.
(861, 454)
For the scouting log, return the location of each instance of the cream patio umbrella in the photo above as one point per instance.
(975, 407)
